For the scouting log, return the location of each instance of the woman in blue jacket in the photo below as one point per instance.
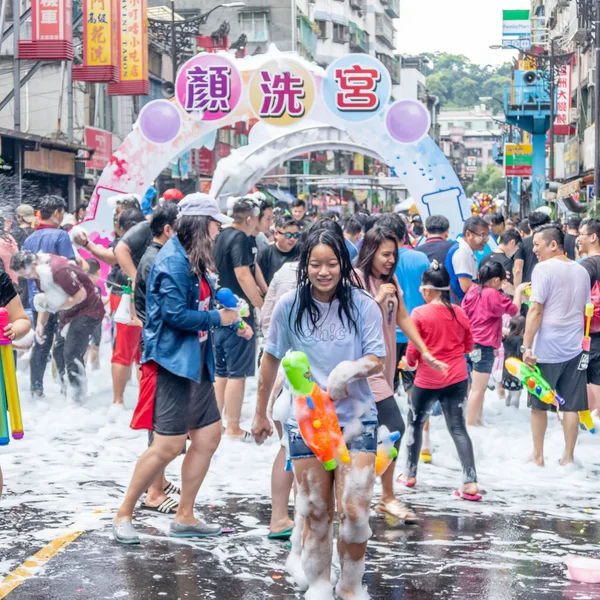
(177, 397)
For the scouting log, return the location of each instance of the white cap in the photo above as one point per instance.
(202, 205)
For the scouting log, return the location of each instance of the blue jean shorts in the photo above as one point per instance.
(365, 442)
(482, 359)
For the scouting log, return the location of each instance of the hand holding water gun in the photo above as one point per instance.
(315, 413)
(229, 300)
(532, 379)
(9, 393)
(386, 451)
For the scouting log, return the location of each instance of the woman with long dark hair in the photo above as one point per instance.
(376, 266)
(338, 326)
(445, 329)
(177, 398)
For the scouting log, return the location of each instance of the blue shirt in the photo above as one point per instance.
(411, 266)
(50, 240)
(330, 343)
(352, 249)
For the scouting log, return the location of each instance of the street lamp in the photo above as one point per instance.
(175, 34)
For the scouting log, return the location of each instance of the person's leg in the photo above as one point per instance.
(353, 489)
(453, 399)
(40, 354)
(389, 414)
(539, 424)
(419, 408)
(120, 363)
(58, 353)
(513, 398)
(120, 376)
(155, 494)
(281, 486)
(570, 431)
(220, 388)
(315, 505)
(76, 344)
(163, 450)
(197, 459)
(234, 399)
(94, 357)
(478, 387)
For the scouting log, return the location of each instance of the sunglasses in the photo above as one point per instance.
(289, 236)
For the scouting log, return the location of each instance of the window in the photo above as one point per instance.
(341, 33)
(322, 29)
(255, 26)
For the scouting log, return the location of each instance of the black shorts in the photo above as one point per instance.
(235, 357)
(388, 414)
(182, 405)
(593, 370)
(569, 380)
(408, 377)
(96, 335)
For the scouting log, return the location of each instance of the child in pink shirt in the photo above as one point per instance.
(485, 305)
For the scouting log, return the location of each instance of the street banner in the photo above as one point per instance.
(101, 142)
(132, 49)
(518, 160)
(563, 101)
(51, 31)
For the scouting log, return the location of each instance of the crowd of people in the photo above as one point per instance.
(381, 304)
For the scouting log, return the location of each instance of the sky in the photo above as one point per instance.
(466, 27)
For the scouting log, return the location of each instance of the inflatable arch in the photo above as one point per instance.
(300, 107)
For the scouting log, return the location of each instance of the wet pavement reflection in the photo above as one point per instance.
(452, 555)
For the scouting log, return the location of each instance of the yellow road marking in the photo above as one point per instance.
(34, 563)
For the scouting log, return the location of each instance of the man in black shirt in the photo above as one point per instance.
(299, 213)
(235, 356)
(436, 246)
(497, 225)
(524, 258)
(571, 236)
(284, 249)
(508, 244)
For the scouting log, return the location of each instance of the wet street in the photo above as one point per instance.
(451, 555)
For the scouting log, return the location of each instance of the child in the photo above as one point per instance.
(96, 335)
(484, 305)
(512, 348)
(445, 330)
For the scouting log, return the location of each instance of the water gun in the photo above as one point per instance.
(229, 300)
(315, 413)
(589, 313)
(386, 451)
(528, 295)
(123, 312)
(9, 393)
(585, 418)
(533, 381)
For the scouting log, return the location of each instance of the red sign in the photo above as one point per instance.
(563, 101)
(51, 31)
(101, 142)
(203, 161)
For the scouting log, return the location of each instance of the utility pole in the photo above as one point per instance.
(597, 109)
(17, 97)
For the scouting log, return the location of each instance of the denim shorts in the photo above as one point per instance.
(365, 442)
(482, 359)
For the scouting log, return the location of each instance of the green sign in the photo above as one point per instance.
(518, 160)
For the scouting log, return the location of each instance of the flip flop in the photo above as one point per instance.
(405, 482)
(166, 507)
(426, 457)
(469, 497)
(286, 534)
(172, 489)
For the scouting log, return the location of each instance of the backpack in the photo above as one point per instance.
(595, 326)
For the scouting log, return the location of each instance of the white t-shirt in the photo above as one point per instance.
(563, 287)
(464, 261)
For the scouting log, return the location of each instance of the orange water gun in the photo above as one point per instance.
(315, 413)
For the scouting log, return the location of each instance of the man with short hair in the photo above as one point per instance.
(285, 248)
(299, 213)
(25, 220)
(508, 244)
(560, 289)
(461, 262)
(571, 236)
(589, 244)
(50, 239)
(497, 224)
(525, 259)
(352, 235)
(235, 357)
(436, 245)
(523, 228)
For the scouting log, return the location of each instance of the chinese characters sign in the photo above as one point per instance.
(518, 160)
(209, 85)
(132, 48)
(51, 31)
(356, 87)
(101, 142)
(563, 101)
(282, 92)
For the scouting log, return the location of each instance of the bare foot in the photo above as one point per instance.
(405, 480)
(235, 433)
(537, 460)
(279, 526)
(155, 501)
(565, 460)
(470, 488)
(476, 423)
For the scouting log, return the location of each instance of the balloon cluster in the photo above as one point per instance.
(482, 204)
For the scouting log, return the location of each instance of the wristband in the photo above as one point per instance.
(86, 243)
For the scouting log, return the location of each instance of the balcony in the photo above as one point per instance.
(392, 65)
(307, 37)
(358, 5)
(359, 39)
(392, 8)
(384, 29)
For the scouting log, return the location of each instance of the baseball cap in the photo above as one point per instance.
(26, 212)
(131, 200)
(202, 205)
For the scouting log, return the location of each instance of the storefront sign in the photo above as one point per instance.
(51, 31)
(589, 151)
(101, 142)
(50, 161)
(563, 101)
(569, 189)
(518, 160)
(571, 158)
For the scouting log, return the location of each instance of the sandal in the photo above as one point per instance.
(469, 497)
(397, 510)
(401, 479)
(286, 534)
(172, 489)
(426, 456)
(166, 507)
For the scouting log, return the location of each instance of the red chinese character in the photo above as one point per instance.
(358, 86)
(98, 35)
(134, 56)
(135, 29)
(135, 71)
(97, 55)
(562, 106)
(98, 3)
(561, 119)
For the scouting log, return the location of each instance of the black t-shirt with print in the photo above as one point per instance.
(233, 248)
(525, 253)
(7, 289)
(272, 259)
(504, 260)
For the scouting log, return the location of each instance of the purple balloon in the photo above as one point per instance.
(160, 121)
(407, 121)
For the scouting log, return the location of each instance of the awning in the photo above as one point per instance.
(45, 142)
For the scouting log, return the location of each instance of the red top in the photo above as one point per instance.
(485, 311)
(448, 338)
(203, 304)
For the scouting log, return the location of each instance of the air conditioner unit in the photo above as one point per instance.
(573, 115)
(592, 77)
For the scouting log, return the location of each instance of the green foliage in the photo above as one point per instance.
(460, 83)
(490, 181)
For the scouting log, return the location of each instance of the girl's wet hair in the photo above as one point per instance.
(516, 327)
(348, 280)
(437, 277)
(490, 270)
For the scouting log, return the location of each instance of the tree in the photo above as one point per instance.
(490, 181)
